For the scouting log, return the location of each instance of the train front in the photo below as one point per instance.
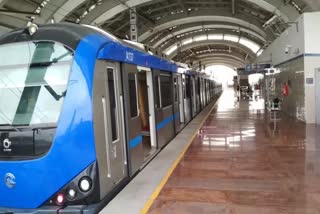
(47, 153)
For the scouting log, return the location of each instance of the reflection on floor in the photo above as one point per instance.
(243, 162)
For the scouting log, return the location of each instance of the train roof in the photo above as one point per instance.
(71, 35)
(65, 33)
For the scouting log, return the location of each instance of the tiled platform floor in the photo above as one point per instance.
(240, 162)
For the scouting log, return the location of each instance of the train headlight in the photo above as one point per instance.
(71, 194)
(85, 184)
(60, 199)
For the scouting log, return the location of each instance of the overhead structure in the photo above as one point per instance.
(239, 29)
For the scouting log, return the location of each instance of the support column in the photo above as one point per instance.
(133, 25)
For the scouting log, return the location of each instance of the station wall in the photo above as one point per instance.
(292, 73)
(297, 54)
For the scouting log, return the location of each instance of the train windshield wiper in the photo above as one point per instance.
(53, 61)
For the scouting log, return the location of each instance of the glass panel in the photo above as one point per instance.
(200, 38)
(166, 90)
(33, 81)
(188, 87)
(184, 87)
(133, 95)
(112, 104)
(191, 86)
(156, 91)
(253, 46)
(215, 36)
(260, 52)
(171, 49)
(231, 38)
(186, 41)
(176, 89)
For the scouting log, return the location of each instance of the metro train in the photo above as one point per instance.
(82, 112)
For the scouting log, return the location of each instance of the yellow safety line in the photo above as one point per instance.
(172, 168)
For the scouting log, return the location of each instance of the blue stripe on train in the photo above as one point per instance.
(163, 123)
(137, 140)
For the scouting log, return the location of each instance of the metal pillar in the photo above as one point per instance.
(133, 25)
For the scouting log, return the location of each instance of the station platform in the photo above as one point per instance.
(231, 159)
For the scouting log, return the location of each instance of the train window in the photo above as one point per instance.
(188, 89)
(166, 90)
(33, 82)
(112, 103)
(184, 87)
(132, 79)
(191, 87)
(176, 89)
(156, 91)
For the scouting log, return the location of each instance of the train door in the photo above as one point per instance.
(132, 115)
(109, 126)
(163, 93)
(140, 115)
(147, 112)
(176, 101)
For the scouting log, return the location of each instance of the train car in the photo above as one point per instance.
(81, 113)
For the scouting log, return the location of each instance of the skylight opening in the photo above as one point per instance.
(231, 38)
(186, 41)
(251, 45)
(215, 37)
(200, 38)
(259, 52)
(171, 49)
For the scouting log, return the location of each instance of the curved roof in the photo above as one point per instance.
(167, 23)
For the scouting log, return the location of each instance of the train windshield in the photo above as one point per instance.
(33, 82)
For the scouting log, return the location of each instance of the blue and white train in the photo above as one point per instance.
(81, 112)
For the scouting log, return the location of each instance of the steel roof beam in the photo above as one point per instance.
(221, 55)
(208, 42)
(3, 2)
(170, 42)
(210, 61)
(112, 11)
(183, 56)
(314, 5)
(66, 9)
(12, 22)
(227, 64)
(193, 19)
(182, 5)
(206, 59)
(212, 26)
(233, 7)
(31, 13)
(109, 9)
(220, 61)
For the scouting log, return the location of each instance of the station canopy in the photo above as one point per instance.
(196, 32)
